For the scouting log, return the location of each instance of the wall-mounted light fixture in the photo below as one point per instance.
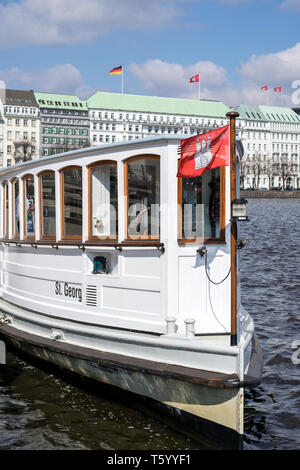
(99, 265)
(239, 210)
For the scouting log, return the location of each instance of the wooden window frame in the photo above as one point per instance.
(13, 209)
(125, 162)
(24, 178)
(40, 175)
(220, 240)
(5, 223)
(61, 176)
(90, 168)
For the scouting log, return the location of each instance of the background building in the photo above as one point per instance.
(116, 117)
(64, 123)
(271, 139)
(36, 124)
(21, 126)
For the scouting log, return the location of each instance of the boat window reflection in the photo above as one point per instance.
(47, 192)
(5, 210)
(29, 207)
(143, 193)
(200, 206)
(16, 209)
(72, 202)
(104, 201)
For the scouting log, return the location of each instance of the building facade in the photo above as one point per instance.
(21, 127)
(271, 139)
(1, 139)
(116, 117)
(64, 123)
(37, 124)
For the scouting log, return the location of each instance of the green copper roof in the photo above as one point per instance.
(155, 104)
(280, 113)
(268, 113)
(251, 113)
(58, 101)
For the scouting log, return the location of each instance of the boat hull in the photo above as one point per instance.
(209, 410)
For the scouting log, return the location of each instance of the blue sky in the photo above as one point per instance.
(238, 46)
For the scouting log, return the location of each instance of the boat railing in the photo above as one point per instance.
(88, 244)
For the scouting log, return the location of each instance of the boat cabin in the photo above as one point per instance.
(110, 236)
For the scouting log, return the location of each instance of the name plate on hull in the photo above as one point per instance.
(69, 291)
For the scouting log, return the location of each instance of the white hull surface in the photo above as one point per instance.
(208, 403)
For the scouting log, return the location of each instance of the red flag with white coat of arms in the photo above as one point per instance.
(203, 152)
(195, 78)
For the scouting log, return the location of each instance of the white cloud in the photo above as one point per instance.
(63, 78)
(252, 94)
(70, 21)
(291, 4)
(275, 69)
(283, 66)
(162, 78)
(166, 79)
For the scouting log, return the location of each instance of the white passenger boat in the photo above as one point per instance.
(116, 269)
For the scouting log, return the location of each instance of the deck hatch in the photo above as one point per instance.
(91, 296)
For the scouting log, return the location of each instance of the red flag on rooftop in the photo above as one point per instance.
(204, 152)
(195, 78)
(278, 88)
(265, 88)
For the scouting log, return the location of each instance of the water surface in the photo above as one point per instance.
(270, 281)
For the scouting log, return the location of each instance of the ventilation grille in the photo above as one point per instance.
(91, 296)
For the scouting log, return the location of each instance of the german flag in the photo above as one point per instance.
(117, 71)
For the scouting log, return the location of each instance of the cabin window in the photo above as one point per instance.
(142, 191)
(103, 200)
(16, 209)
(29, 207)
(5, 229)
(47, 204)
(201, 206)
(72, 202)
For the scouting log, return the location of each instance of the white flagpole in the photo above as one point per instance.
(269, 97)
(199, 85)
(122, 79)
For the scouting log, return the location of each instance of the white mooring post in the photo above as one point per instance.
(2, 353)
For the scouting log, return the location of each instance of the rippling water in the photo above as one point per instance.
(40, 409)
(270, 281)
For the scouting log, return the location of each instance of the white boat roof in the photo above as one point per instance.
(93, 148)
